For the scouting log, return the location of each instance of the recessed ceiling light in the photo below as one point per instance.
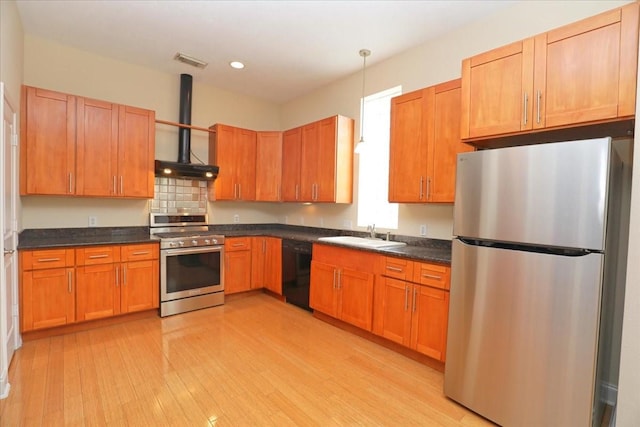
(237, 65)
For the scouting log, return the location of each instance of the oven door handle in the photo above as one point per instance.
(171, 252)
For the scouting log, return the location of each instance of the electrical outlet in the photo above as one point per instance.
(93, 221)
(423, 230)
(236, 218)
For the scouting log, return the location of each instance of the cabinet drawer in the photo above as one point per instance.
(97, 255)
(437, 276)
(47, 258)
(398, 268)
(237, 244)
(139, 252)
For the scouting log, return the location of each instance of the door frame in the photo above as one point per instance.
(10, 338)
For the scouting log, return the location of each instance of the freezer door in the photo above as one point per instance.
(547, 194)
(522, 335)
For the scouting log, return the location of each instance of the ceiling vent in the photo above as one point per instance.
(194, 62)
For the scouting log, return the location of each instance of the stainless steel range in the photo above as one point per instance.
(191, 262)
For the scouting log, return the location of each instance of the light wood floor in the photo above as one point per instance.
(253, 362)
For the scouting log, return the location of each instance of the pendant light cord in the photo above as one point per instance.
(364, 53)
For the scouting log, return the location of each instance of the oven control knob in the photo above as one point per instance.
(194, 242)
(214, 241)
(173, 244)
(181, 243)
(207, 241)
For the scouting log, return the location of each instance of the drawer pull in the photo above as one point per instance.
(98, 256)
(415, 295)
(70, 289)
(48, 259)
(141, 253)
(430, 276)
(399, 270)
(235, 245)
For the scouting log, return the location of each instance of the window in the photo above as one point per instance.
(373, 176)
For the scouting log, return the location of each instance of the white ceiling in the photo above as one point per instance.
(289, 47)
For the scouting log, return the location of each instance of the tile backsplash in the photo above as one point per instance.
(173, 195)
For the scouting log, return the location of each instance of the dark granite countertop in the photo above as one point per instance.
(419, 249)
(37, 238)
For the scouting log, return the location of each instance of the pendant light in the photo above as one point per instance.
(360, 145)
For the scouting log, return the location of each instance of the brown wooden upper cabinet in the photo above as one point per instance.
(234, 151)
(425, 139)
(317, 162)
(268, 166)
(578, 74)
(83, 147)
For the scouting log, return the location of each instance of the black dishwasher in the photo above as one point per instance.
(296, 272)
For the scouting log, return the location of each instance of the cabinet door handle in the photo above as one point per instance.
(415, 291)
(279, 192)
(406, 297)
(98, 256)
(428, 188)
(399, 270)
(69, 285)
(526, 102)
(239, 191)
(141, 253)
(430, 276)
(421, 185)
(70, 184)
(115, 185)
(124, 275)
(538, 100)
(334, 278)
(297, 191)
(121, 185)
(48, 259)
(117, 276)
(339, 279)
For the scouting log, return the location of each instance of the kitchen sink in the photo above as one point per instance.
(362, 242)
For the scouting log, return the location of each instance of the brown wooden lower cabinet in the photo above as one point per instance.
(342, 283)
(415, 316)
(237, 265)
(48, 298)
(404, 301)
(412, 305)
(96, 282)
(266, 263)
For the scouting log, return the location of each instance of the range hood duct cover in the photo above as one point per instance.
(184, 134)
(183, 167)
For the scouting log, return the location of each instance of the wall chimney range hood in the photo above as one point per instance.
(183, 167)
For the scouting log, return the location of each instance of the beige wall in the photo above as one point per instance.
(12, 60)
(11, 49)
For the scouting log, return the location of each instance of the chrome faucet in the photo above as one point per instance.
(371, 229)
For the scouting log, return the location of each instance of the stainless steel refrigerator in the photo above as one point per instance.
(534, 255)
